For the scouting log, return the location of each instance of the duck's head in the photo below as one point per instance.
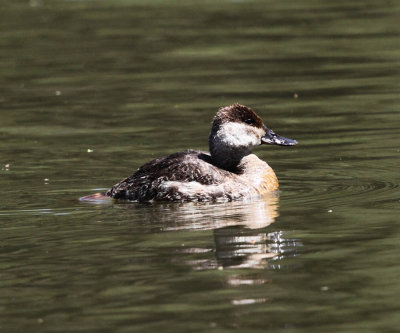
(235, 131)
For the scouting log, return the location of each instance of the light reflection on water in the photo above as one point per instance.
(233, 246)
(238, 242)
(255, 214)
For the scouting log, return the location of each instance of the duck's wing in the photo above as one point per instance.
(186, 166)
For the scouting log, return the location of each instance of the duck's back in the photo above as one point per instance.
(184, 176)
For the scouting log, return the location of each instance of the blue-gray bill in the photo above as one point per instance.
(272, 138)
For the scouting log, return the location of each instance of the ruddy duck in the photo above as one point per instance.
(229, 172)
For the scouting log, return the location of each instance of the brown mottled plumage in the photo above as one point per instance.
(186, 166)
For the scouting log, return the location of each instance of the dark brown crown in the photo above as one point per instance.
(236, 113)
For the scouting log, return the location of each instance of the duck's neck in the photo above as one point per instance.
(226, 157)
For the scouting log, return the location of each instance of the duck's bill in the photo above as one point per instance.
(272, 138)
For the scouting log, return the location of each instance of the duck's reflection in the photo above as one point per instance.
(240, 238)
(241, 250)
(254, 214)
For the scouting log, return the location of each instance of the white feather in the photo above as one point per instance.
(239, 135)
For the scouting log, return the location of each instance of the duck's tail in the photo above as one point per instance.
(100, 196)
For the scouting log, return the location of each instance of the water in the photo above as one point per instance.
(90, 90)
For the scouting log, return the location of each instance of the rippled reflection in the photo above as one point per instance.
(240, 238)
(241, 249)
(253, 214)
(239, 230)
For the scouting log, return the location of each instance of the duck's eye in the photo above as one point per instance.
(249, 121)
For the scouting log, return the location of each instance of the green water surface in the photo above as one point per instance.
(91, 90)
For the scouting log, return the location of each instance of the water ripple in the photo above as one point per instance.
(356, 191)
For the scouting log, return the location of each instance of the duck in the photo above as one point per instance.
(228, 172)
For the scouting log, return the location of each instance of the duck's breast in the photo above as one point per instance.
(258, 174)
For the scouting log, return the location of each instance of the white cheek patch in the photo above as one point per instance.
(239, 135)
